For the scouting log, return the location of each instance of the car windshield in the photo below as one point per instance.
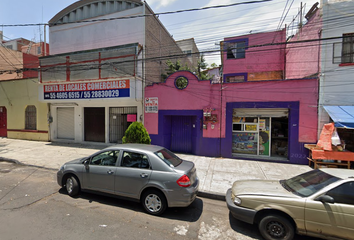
(308, 183)
(169, 157)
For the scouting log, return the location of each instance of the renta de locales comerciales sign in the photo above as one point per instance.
(91, 90)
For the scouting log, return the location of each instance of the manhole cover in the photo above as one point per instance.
(5, 170)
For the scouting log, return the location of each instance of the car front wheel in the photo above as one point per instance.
(72, 186)
(276, 227)
(154, 202)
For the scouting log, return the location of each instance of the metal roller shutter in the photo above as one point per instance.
(66, 123)
(260, 112)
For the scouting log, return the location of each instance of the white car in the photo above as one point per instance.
(318, 203)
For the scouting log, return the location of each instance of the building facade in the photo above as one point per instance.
(336, 101)
(22, 115)
(251, 120)
(103, 54)
(255, 112)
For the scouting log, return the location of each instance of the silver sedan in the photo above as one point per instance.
(150, 174)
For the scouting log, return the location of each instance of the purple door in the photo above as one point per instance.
(181, 134)
(3, 122)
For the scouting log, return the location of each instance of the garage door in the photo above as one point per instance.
(66, 129)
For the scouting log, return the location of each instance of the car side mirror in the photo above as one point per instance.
(86, 163)
(325, 199)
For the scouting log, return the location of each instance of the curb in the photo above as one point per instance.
(22, 164)
(211, 195)
(10, 160)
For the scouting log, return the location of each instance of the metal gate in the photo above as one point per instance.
(3, 122)
(118, 122)
(66, 123)
(181, 134)
(94, 124)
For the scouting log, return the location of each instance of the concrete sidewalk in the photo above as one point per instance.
(216, 174)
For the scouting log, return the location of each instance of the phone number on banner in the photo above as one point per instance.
(83, 94)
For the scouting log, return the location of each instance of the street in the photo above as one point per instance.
(32, 206)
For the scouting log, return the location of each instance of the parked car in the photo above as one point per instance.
(318, 203)
(150, 174)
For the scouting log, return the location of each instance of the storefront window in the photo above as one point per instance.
(245, 135)
(262, 136)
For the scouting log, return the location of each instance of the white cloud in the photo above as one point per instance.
(160, 3)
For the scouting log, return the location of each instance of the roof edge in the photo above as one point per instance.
(78, 4)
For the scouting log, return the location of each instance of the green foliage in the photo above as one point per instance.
(202, 66)
(213, 65)
(136, 133)
(173, 67)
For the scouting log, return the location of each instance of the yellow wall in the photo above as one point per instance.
(16, 95)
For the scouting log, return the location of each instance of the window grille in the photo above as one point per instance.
(348, 48)
(31, 118)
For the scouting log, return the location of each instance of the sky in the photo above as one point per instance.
(207, 27)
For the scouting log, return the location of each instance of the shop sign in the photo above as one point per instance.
(151, 105)
(131, 118)
(250, 127)
(92, 90)
(262, 124)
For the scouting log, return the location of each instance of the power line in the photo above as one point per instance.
(137, 16)
(182, 55)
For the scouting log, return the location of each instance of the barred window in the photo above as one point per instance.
(31, 117)
(348, 48)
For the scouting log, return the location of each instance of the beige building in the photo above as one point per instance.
(22, 116)
(189, 48)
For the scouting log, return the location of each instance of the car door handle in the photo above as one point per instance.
(110, 172)
(143, 175)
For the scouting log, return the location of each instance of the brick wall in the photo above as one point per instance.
(160, 46)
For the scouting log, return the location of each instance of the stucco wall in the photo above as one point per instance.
(262, 55)
(302, 53)
(199, 95)
(16, 96)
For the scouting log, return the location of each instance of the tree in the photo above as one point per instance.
(136, 133)
(173, 67)
(201, 67)
(213, 65)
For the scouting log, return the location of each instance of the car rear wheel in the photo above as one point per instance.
(72, 186)
(276, 227)
(154, 202)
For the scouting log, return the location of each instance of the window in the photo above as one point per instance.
(308, 183)
(236, 50)
(108, 158)
(135, 160)
(181, 83)
(168, 157)
(188, 53)
(239, 78)
(348, 48)
(31, 118)
(343, 194)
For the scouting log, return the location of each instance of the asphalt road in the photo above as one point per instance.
(32, 206)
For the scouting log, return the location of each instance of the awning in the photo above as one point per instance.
(342, 116)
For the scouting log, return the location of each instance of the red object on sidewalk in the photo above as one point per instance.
(325, 140)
